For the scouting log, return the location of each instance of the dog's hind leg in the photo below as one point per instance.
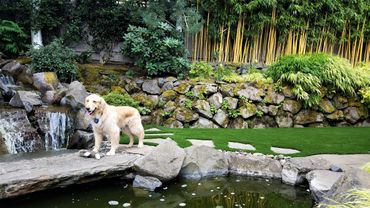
(141, 139)
(130, 135)
(98, 138)
(114, 140)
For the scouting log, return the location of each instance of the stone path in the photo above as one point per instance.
(347, 161)
(237, 145)
(284, 151)
(199, 142)
(152, 133)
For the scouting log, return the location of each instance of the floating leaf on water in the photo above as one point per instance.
(182, 204)
(184, 185)
(161, 200)
(193, 194)
(126, 205)
(113, 203)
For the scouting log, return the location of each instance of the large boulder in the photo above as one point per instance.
(233, 102)
(295, 169)
(292, 106)
(20, 72)
(168, 95)
(221, 118)
(273, 97)
(203, 108)
(340, 102)
(284, 119)
(351, 179)
(151, 87)
(248, 110)
(335, 116)
(45, 81)
(353, 114)
(227, 90)
(251, 93)
(216, 100)
(238, 123)
(253, 165)
(321, 181)
(327, 106)
(203, 161)
(204, 89)
(185, 115)
(146, 182)
(173, 123)
(182, 88)
(26, 99)
(308, 116)
(204, 123)
(164, 162)
(81, 140)
(75, 95)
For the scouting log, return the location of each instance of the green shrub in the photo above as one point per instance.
(188, 104)
(156, 48)
(124, 99)
(12, 38)
(55, 58)
(201, 69)
(308, 74)
(234, 113)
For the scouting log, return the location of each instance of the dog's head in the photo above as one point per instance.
(94, 104)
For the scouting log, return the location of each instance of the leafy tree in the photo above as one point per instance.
(12, 38)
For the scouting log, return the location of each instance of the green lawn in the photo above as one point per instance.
(309, 141)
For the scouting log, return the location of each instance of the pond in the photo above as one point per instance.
(212, 192)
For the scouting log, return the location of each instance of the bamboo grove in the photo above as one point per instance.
(251, 31)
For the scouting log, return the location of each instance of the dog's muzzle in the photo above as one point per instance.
(89, 111)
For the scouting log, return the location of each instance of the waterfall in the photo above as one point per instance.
(58, 131)
(17, 132)
(6, 79)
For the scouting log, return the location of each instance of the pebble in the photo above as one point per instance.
(184, 185)
(193, 194)
(113, 203)
(262, 197)
(161, 200)
(232, 193)
(218, 187)
(212, 190)
(238, 180)
(182, 204)
(150, 195)
(126, 205)
(199, 184)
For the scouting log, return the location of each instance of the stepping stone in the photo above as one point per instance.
(284, 151)
(155, 140)
(199, 142)
(237, 145)
(152, 129)
(160, 134)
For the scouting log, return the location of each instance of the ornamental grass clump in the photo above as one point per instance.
(355, 198)
(308, 75)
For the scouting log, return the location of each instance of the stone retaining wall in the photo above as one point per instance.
(185, 103)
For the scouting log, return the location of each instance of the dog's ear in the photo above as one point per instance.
(102, 103)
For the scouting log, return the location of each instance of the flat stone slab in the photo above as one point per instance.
(135, 150)
(155, 140)
(284, 151)
(237, 145)
(199, 142)
(347, 162)
(152, 129)
(25, 174)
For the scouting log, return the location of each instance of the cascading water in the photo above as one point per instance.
(6, 79)
(59, 129)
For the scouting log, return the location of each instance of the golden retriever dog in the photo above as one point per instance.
(109, 120)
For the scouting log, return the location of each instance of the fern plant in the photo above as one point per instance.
(12, 38)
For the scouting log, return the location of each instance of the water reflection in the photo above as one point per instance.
(214, 192)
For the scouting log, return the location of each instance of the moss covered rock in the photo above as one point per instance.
(327, 106)
(203, 108)
(251, 93)
(221, 118)
(248, 110)
(273, 97)
(183, 88)
(292, 106)
(337, 115)
(340, 102)
(173, 123)
(168, 95)
(45, 81)
(227, 90)
(185, 115)
(308, 116)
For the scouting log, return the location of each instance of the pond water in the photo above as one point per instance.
(213, 192)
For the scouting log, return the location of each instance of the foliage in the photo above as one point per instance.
(201, 69)
(365, 95)
(156, 48)
(188, 104)
(257, 78)
(124, 99)
(307, 74)
(55, 58)
(234, 113)
(259, 113)
(222, 71)
(356, 198)
(213, 109)
(12, 38)
(190, 94)
(166, 114)
(225, 105)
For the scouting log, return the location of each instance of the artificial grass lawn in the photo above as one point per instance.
(310, 141)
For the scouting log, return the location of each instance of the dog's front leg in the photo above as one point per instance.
(98, 138)
(114, 140)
